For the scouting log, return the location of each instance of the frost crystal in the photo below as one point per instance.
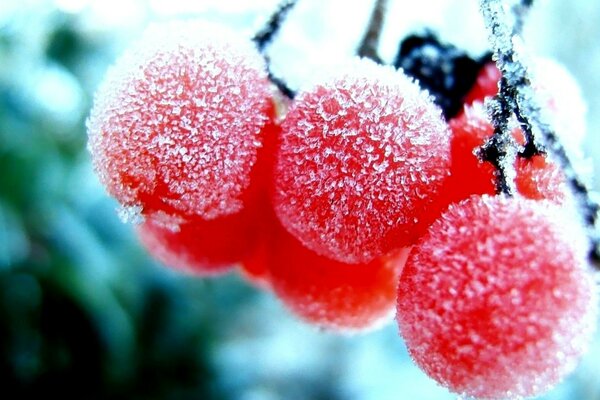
(131, 214)
(504, 20)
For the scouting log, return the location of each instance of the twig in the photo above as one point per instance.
(265, 36)
(501, 149)
(281, 85)
(370, 42)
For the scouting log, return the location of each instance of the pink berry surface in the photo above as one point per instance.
(539, 178)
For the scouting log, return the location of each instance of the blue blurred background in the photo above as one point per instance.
(85, 313)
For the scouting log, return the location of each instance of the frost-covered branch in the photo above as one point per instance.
(504, 23)
(501, 149)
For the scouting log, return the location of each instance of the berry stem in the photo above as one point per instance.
(265, 36)
(370, 42)
(517, 96)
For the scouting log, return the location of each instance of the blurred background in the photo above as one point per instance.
(85, 313)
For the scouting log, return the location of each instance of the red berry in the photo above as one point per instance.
(361, 158)
(539, 179)
(469, 175)
(495, 301)
(255, 267)
(333, 295)
(177, 124)
(199, 246)
(486, 84)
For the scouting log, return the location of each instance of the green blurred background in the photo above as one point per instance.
(85, 313)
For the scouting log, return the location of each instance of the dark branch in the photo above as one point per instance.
(266, 34)
(501, 150)
(370, 42)
(281, 85)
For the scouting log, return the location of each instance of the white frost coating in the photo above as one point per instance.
(361, 155)
(167, 221)
(179, 117)
(131, 214)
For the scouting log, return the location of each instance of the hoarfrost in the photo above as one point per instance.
(131, 214)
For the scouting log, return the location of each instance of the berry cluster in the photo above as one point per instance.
(354, 200)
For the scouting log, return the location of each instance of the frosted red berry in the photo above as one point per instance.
(496, 300)
(469, 175)
(362, 156)
(177, 123)
(540, 179)
(330, 294)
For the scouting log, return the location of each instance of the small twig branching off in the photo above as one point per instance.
(266, 35)
(370, 42)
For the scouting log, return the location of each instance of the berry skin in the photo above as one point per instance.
(200, 247)
(330, 294)
(486, 84)
(177, 124)
(361, 157)
(495, 301)
(254, 268)
(469, 175)
(540, 179)
(213, 247)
